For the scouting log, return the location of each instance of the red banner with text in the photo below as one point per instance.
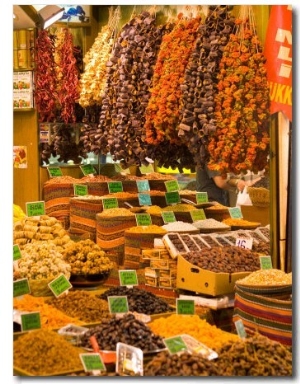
(278, 52)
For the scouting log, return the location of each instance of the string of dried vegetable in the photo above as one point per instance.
(241, 139)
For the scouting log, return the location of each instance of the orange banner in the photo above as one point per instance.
(278, 52)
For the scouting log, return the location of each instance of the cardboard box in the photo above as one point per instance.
(195, 279)
(163, 264)
(256, 214)
(166, 282)
(152, 281)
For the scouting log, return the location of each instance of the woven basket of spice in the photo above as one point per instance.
(259, 196)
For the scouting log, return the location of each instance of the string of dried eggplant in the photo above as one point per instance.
(200, 82)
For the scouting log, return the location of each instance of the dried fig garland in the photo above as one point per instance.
(241, 139)
(200, 82)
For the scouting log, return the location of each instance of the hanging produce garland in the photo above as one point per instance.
(241, 139)
(200, 82)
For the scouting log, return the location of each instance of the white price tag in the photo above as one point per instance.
(244, 243)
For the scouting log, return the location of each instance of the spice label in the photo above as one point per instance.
(92, 362)
(143, 219)
(109, 203)
(235, 212)
(118, 304)
(30, 321)
(168, 217)
(80, 189)
(144, 169)
(175, 344)
(144, 199)
(60, 285)
(36, 208)
(265, 262)
(239, 325)
(21, 287)
(17, 252)
(185, 307)
(201, 197)
(172, 198)
(54, 171)
(115, 186)
(244, 243)
(171, 185)
(143, 185)
(198, 214)
(128, 277)
(87, 169)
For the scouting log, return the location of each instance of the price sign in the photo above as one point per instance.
(128, 277)
(144, 199)
(175, 344)
(92, 362)
(201, 197)
(118, 304)
(171, 185)
(54, 171)
(143, 185)
(115, 186)
(59, 285)
(265, 262)
(244, 243)
(87, 169)
(21, 287)
(144, 169)
(172, 198)
(36, 208)
(185, 307)
(239, 325)
(30, 321)
(17, 252)
(168, 217)
(143, 219)
(235, 213)
(109, 203)
(80, 189)
(198, 214)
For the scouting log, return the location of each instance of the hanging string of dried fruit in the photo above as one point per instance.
(241, 139)
(163, 110)
(45, 95)
(200, 82)
(67, 75)
(138, 46)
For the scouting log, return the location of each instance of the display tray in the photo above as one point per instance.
(214, 230)
(248, 226)
(92, 280)
(21, 372)
(204, 205)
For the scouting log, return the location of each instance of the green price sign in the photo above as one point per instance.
(201, 197)
(92, 362)
(17, 252)
(171, 185)
(239, 325)
(30, 321)
(198, 214)
(235, 213)
(55, 171)
(143, 185)
(265, 262)
(185, 307)
(80, 189)
(87, 169)
(144, 169)
(36, 208)
(60, 285)
(175, 344)
(172, 198)
(144, 199)
(143, 219)
(128, 277)
(118, 304)
(115, 186)
(168, 217)
(110, 202)
(21, 287)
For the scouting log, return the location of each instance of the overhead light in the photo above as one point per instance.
(49, 15)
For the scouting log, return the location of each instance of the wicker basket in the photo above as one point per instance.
(259, 196)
